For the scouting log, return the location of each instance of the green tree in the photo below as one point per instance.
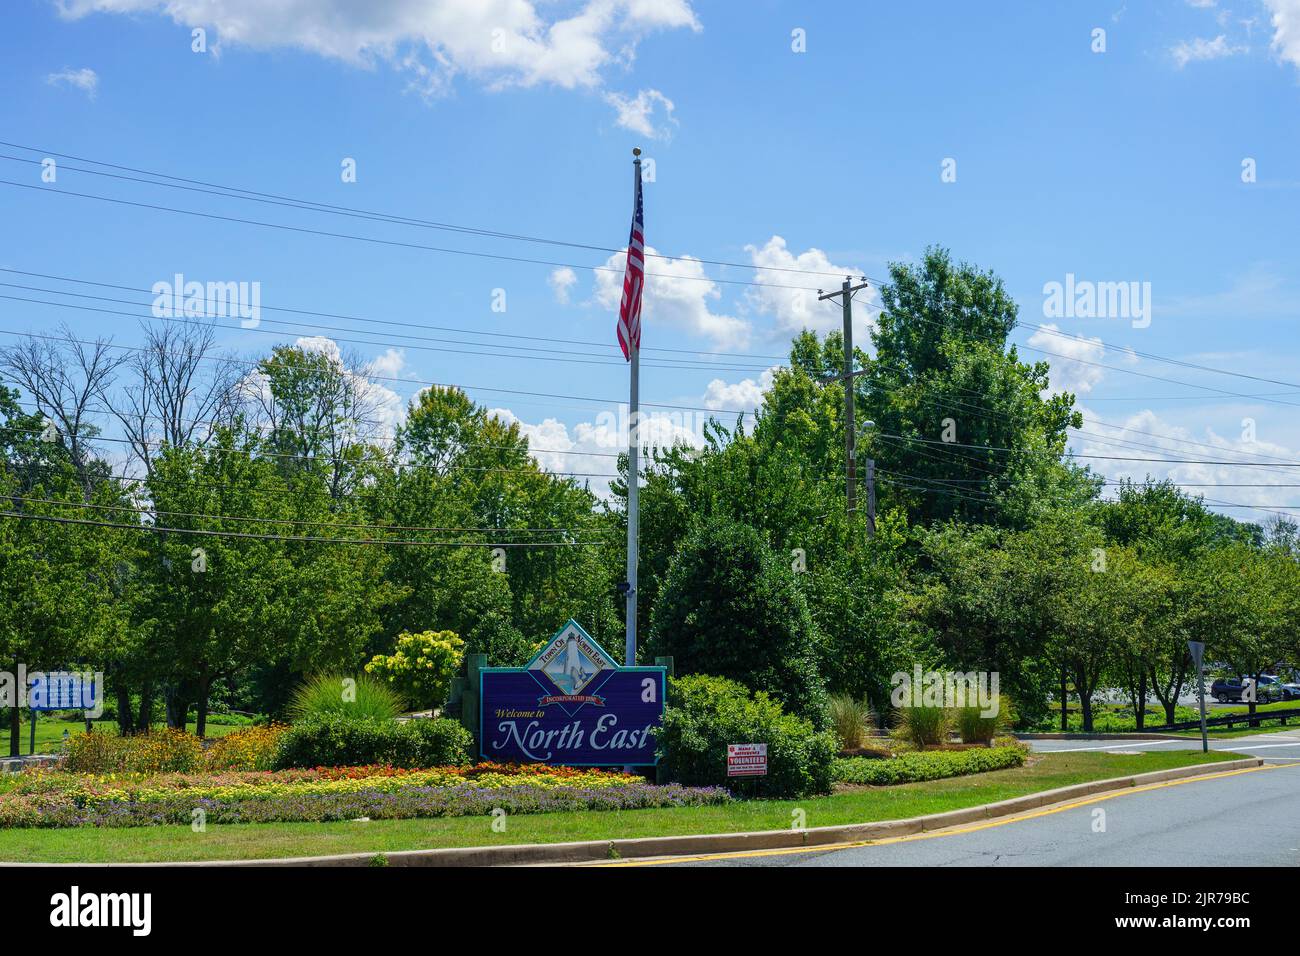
(61, 581)
(730, 607)
(961, 427)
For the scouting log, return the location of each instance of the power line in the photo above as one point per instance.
(391, 378)
(1180, 461)
(299, 522)
(1127, 371)
(394, 322)
(385, 242)
(312, 539)
(354, 341)
(333, 459)
(232, 192)
(252, 195)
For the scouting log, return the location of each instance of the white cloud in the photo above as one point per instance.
(1148, 435)
(637, 113)
(1202, 49)
(557, 448)
(1070, 374)
(1285, 16)
(385, 407)
(84, 79)
(745, 395)
(390, 364)
(499, 43)
(561, 281)
(676, 293)
(798, 309)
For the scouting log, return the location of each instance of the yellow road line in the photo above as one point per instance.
(930, 835)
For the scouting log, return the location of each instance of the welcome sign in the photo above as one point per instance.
(571, 704)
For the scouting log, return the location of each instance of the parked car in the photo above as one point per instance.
(1267, 689)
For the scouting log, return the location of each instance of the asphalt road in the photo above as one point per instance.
(1280, 747)
(1250, 818)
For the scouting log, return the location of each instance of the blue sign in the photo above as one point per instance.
(63, 690)
(571, 704)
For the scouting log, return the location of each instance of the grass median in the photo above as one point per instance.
(856, 805)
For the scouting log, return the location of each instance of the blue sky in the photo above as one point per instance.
(1115, 165)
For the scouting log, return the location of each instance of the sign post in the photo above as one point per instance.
(572, 705)
(1197, 649)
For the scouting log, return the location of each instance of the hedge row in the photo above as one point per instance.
(926, 765)
(337, 740)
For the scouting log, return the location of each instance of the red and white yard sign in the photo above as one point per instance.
(746, 760)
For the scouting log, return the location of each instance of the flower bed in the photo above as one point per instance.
(406, 802)
(919, 765)
(170, 750)
(61, 799)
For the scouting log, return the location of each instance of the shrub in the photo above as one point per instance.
(730, 606)
(705, 713)
(164, 751)
(849, 719)
(363, 697)
(975, 728)
(161, 751)
(338, 740)
(437, 742)
(932, 765)
(421, 666)
(95, 752)
(250, 749)
(922, 726)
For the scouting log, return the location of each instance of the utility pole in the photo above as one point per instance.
(871, 497)
(850, 438)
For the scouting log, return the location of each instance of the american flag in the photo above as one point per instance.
(629, 310)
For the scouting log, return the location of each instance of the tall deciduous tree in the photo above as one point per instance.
(730, 607)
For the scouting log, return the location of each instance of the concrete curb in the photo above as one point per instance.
(603, 850)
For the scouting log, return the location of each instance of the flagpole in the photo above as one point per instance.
(633, 468)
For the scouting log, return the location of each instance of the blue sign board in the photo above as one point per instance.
(571, 704)
(63, 690)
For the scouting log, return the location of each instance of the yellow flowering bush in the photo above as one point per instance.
(421, 666)
(95, 753)
(250, 749)
(163, 751)
(171, 751)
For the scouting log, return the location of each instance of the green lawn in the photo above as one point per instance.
(1259, 708)
(1271, 727)
(49, 733)
(251, 841)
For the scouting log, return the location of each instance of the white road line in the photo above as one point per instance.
(1265, 746)
(1125, 746)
